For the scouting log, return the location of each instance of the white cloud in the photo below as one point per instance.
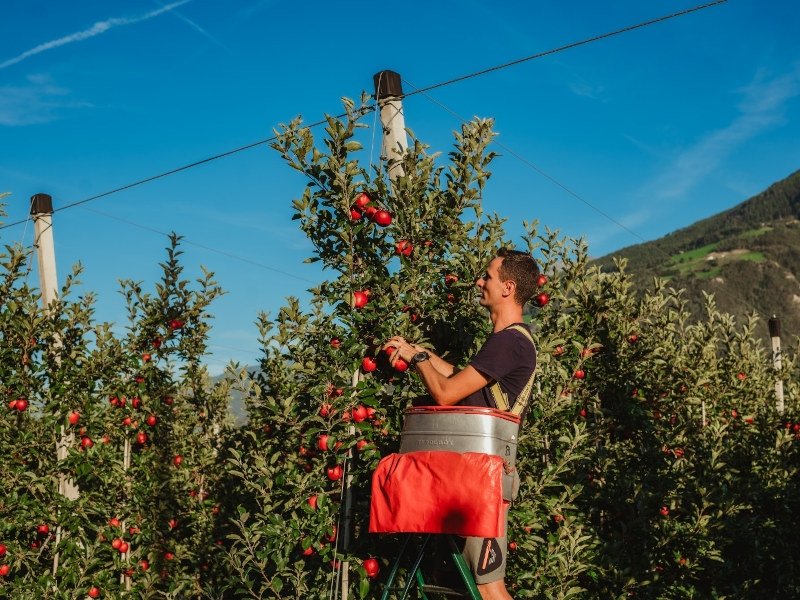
(583, 88)
(94, 30)
(39, 101)
(761, 108)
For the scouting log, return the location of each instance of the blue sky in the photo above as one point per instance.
(656, 128)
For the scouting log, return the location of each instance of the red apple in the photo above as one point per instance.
(362, 200)
(336, 343)
(361, 444)
(541, 299)
(541, 281)
(177, 460)
(169, 556)
(94, 592)
(579, 374)
(664, 511)
(331, 535)
(73, 418)
(354, 215)
(141, 437)
(633, 338)
(136, 402)
(360, 413)
(558, 350)
(312, 501)
(146, 357)
(116, 543)
(175, 324)
(168, 400)
(4, 570)
(372, 567)
(400, 365)
(383, 218)
(172, 523)
(512, 546)
(86, 442)
(322, 442)
(114, 522)
(126, 422)
(43, 529)
(360, 299)
(325, 410)
(403, 248)
(741, 376)
(22, 405)
(334, 473)
(151, 420)
(144, 564)
(368, 364)
(370, 211)
(450, 279)
(156, 343)
(3, 550)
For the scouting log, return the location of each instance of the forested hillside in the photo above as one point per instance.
(748, 257)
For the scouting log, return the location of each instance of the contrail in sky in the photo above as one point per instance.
(96, 29)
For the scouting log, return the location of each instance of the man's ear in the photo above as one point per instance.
(509, 287)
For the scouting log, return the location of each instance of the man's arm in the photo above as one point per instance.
(446, 385)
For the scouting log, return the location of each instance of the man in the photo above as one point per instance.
(508, 358)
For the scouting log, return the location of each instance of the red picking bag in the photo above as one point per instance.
(438, 492)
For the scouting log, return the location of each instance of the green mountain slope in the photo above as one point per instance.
(748, 257)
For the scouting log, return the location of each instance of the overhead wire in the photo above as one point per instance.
(191, 165)
(583, 42)
(365, 109)
(417, 91)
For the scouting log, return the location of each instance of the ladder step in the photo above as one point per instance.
(444, 591)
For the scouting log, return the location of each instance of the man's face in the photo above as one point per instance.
(490, 285)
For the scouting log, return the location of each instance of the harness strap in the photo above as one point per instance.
(500, 397)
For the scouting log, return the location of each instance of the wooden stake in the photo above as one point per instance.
(42, 213)
(389, 93)
(775, 335)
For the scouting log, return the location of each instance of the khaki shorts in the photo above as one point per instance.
(486, 557)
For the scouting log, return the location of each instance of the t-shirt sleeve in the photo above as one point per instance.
(500, 354)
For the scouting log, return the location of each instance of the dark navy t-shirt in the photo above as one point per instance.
(507, 357)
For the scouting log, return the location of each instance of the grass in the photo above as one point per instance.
(695, 261)
(756, 232)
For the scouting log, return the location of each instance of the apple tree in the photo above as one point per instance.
(325, 405)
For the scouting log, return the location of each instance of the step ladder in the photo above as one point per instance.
(415, 574)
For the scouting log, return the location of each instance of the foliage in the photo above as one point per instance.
(654, 463)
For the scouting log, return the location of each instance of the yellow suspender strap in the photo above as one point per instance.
(500, 398)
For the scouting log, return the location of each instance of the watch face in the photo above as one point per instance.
(420, 356)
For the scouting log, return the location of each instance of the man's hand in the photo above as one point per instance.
(398, 347)
(446, 385)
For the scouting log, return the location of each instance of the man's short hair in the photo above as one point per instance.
(520, 268)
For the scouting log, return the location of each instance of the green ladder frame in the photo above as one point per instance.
(415, 575)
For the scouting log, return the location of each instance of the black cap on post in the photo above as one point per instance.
(774, 326)
(41, 204)
(387, 85)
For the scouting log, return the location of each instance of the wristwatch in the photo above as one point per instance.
(419, 357)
